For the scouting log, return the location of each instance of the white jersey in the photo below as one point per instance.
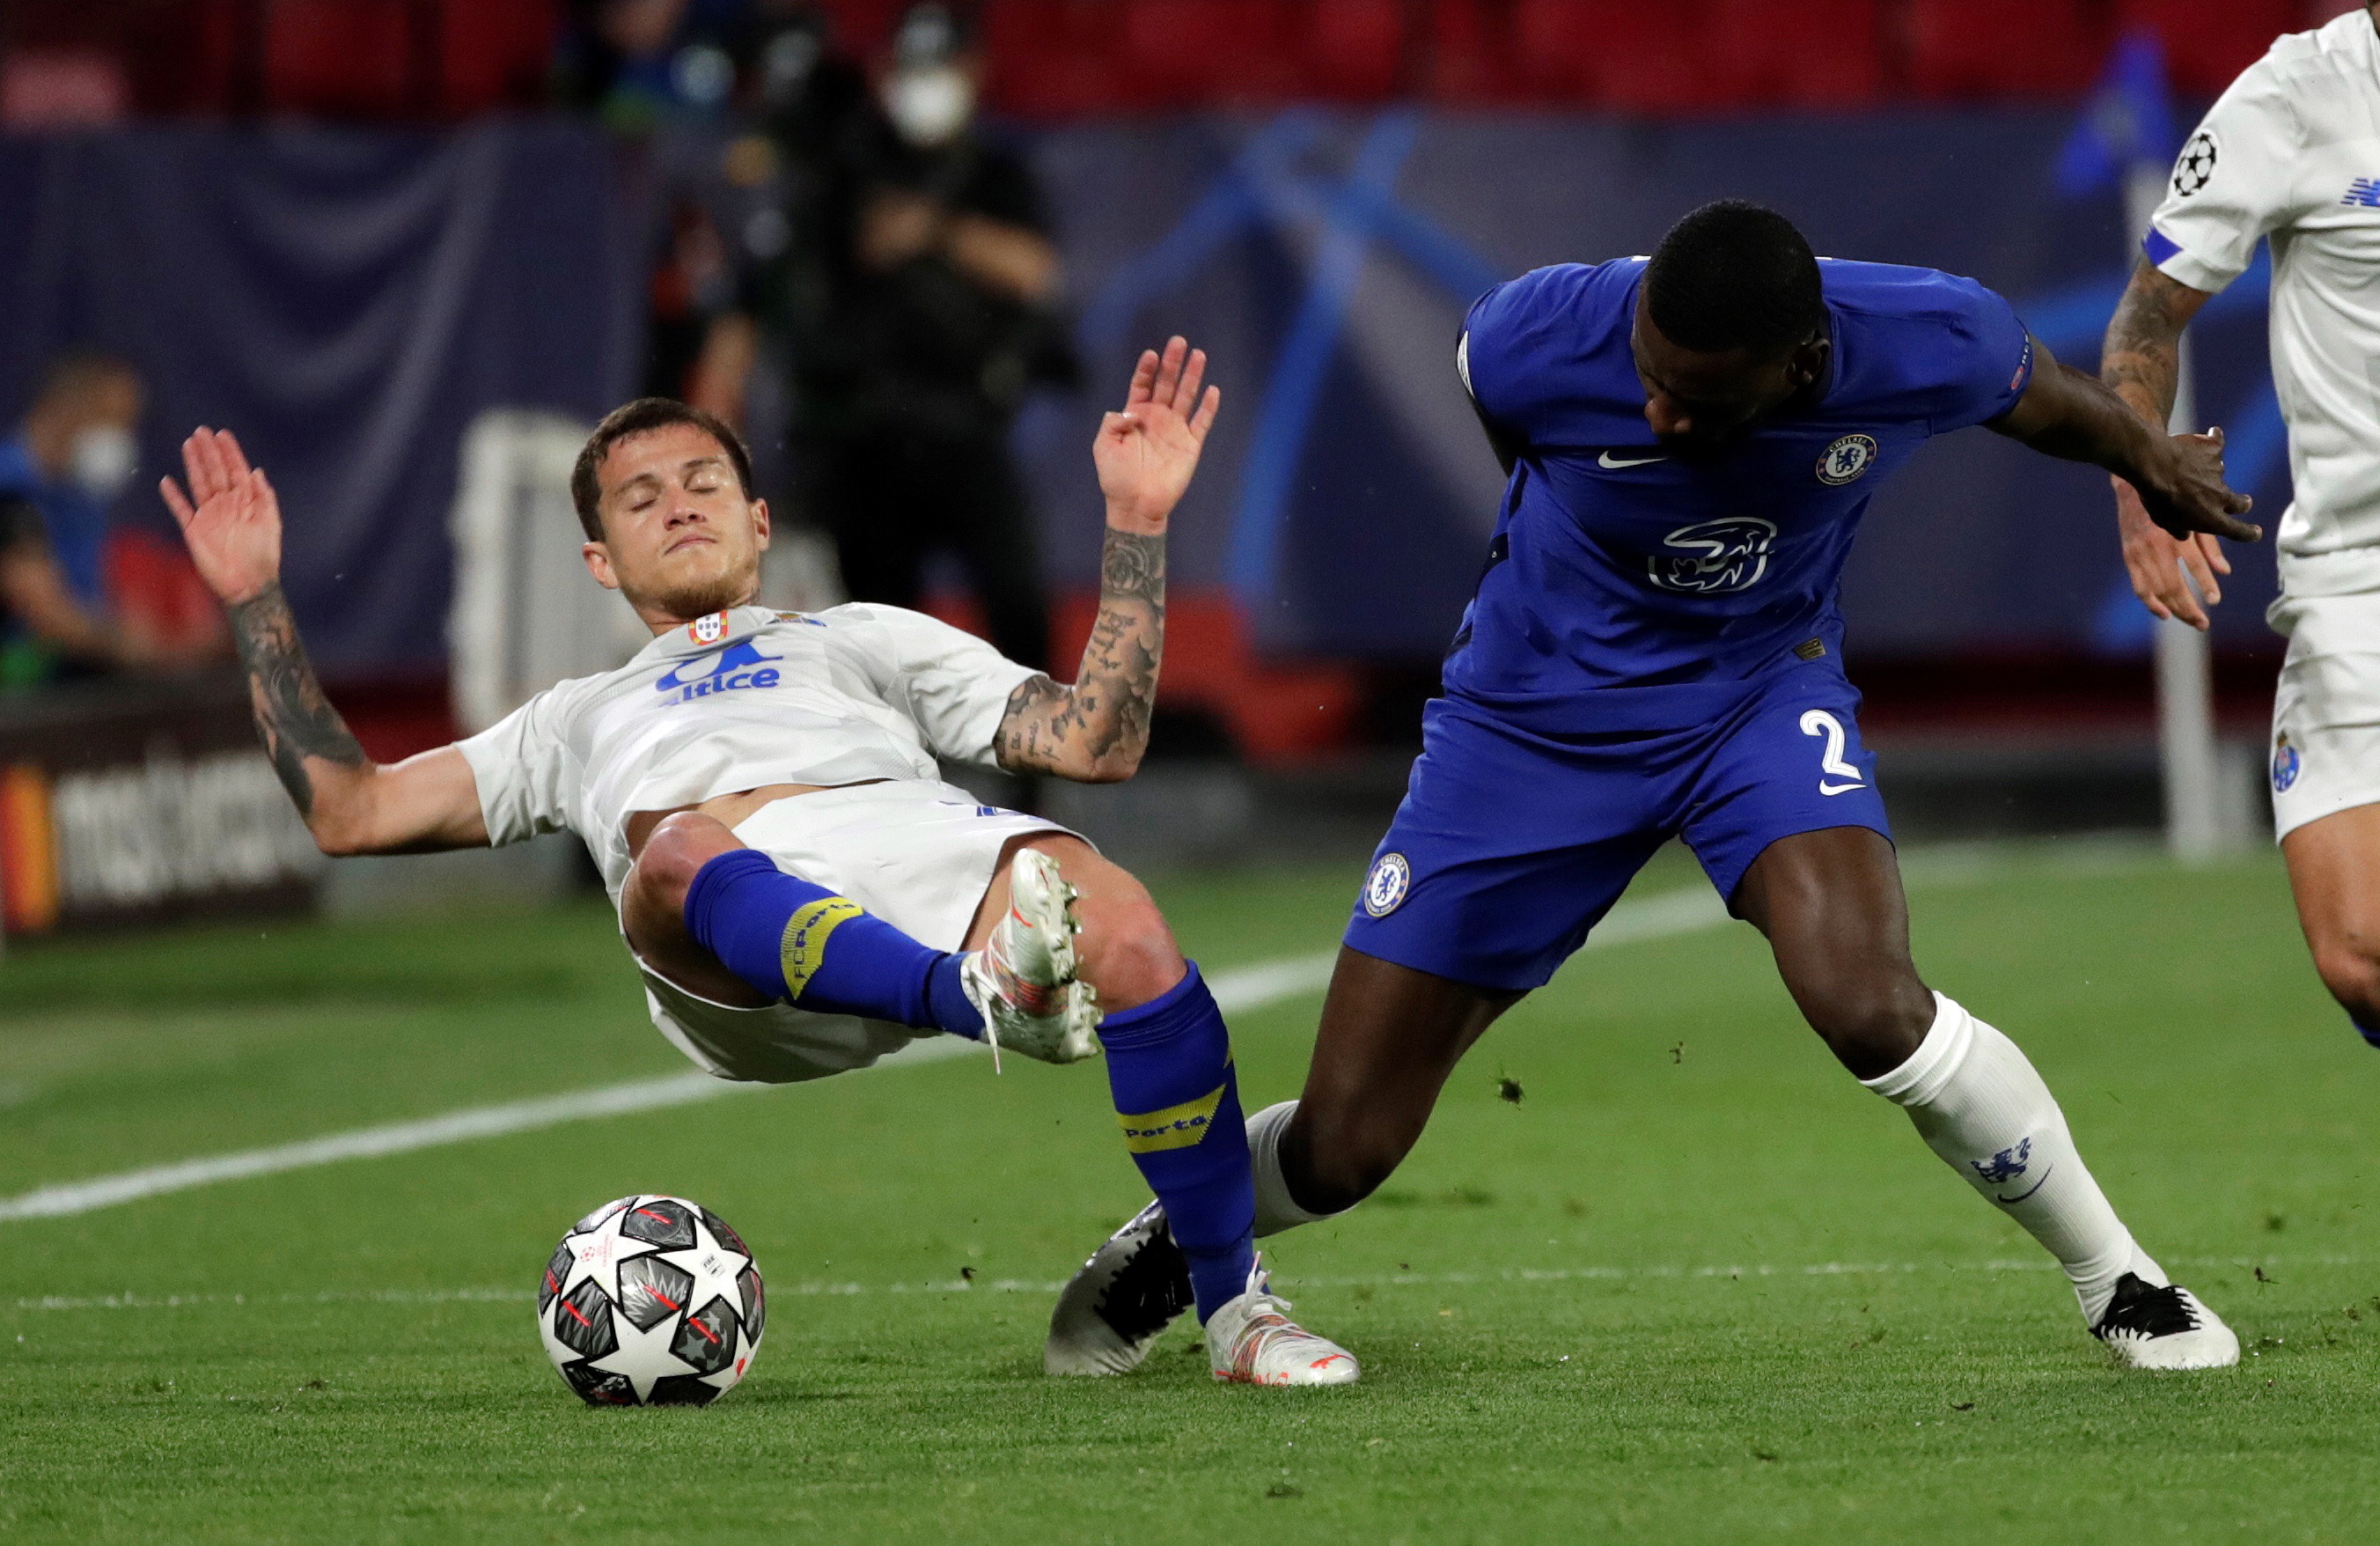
(2292, 152)
(732, 701)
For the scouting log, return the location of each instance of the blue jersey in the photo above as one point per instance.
(1630, 588)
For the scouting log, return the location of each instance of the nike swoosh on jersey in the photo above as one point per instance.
(1825, 788)
(1605, 460)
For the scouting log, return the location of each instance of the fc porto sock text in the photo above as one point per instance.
(796, 941)
(1169, 1069)
(1979, 1105)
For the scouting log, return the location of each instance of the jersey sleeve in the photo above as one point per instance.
(523, 771)
(2234, 182)
(1503, 347)
(954, 687)
(1977, 357)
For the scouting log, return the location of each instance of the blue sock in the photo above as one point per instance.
(1169, 1069)
(2369, 1034)
(799, 942)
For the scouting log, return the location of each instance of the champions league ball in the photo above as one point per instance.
(650, 1301)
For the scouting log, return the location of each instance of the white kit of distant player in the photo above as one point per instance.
(2293, 152)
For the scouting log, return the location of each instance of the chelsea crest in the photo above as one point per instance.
(1847, 458)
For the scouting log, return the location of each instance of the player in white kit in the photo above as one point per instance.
(2291, 153)
(799, 889)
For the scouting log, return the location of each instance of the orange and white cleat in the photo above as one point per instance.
(1022, 981)
(1252, 1341)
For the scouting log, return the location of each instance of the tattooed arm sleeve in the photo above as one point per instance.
(1096, 730)
(351, 805)
(2141, 359)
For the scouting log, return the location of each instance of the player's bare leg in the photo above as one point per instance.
(2335, 874)
(1126, 950)
(1389, 1039)
(1830, 903)
(652, 908)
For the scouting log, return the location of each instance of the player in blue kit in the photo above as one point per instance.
(1655, 651)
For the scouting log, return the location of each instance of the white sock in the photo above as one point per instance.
(1276, 1209)
(1979, 1105)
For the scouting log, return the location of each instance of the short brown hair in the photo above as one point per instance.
(642, 416)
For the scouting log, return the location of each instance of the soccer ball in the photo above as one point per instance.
(650, 1301)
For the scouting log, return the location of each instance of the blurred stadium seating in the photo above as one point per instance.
(68, 61)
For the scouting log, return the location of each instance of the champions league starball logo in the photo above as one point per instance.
(2196, 167)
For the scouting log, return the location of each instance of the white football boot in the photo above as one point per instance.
(1022, 981)
(1252, 1341)
(1111, 1312)
(2164, 1328)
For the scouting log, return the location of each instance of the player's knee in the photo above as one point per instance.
(1126, 950)
(1872, 1021)
(677, 850)
(2350, 969)
(1332, 1160)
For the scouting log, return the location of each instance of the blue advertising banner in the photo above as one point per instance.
(351, 300)
(348, 301)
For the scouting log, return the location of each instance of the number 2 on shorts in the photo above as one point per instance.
(1818, 722)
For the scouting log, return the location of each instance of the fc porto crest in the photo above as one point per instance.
(2287, 764)
(1847, 459)
(1386, 886)
(711, 629)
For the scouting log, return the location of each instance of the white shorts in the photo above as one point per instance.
(2325, 748)
(917, 855)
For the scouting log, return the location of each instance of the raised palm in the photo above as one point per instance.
(1146, 453)
(231, 519)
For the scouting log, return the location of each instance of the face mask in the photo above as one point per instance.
(103, 457)
(929, 105)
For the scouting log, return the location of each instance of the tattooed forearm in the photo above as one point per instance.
(2141, 360)
(293, 716)
(1097, 729)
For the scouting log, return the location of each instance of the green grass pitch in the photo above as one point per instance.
(1695, 1285)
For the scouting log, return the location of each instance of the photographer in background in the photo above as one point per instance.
(68, 460)
(916, 298)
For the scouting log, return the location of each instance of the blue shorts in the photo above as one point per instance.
(1511, 846)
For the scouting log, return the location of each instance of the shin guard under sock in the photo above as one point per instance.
(1169, 1069)
(796, 941)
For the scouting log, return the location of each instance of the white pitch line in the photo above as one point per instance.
(57, 1302)
(1239, 992)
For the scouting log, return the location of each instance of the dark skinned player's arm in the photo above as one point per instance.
(231, 519)
(2067, 414)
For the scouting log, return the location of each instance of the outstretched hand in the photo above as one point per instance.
(2174, 576)
(1146, 453)
(231, 517)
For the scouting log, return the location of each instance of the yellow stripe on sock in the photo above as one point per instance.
(1179, 1126)
(806, 935)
